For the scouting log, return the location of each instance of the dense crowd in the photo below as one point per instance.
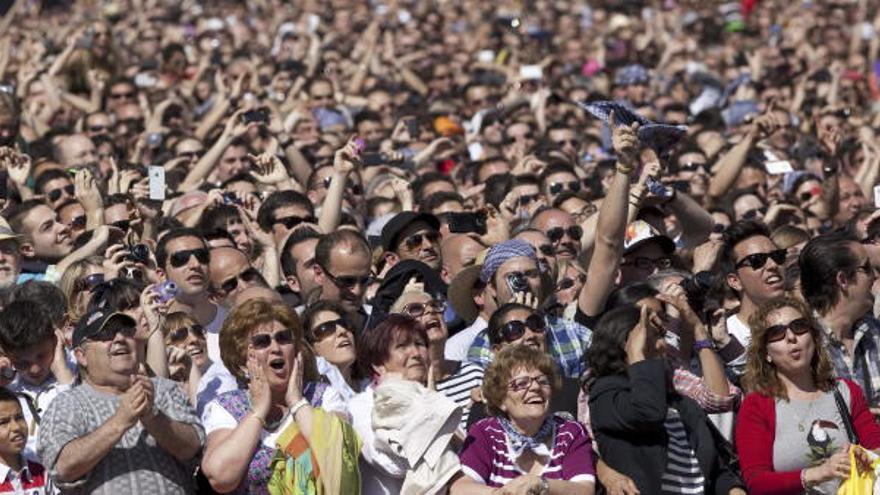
(425, 247)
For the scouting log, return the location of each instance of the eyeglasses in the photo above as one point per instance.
(181, 258)
(55, 194)
(78, 222)
(547, 249)
(88, 282)
(109, 333)
(248, 276)
(347, 282)
(291, 222)
(416, 240)
(122, 225)
(523, 383)
(556, 233)
(757, 260)
(419, 309)
(120, 96)
(798, 326)
(97, 129)
(527, 199)
(178, 335)
(644, 263)
(515, 329)
(264, 340)
(558, 187)
(328, 328)
(568, 282)
(753, 213)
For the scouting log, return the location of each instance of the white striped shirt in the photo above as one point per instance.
(459, 385)
(683, 474)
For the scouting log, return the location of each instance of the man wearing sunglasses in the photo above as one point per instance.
(127, 419)
(645, 252)
(754, 270)
(412, 236)
(836, 279)
(561, 229)
(342, 271)
(231, 273)
(558, 178)
(282, 212)
(183, 258)
(55, 185)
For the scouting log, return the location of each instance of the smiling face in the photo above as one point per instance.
(337, 348)
(430, 318)
(277, 358)
(108, 362)
(189, 338)
(51, 239)
(794, 353)
(531, 402)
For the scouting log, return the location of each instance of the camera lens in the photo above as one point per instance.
(140, 253)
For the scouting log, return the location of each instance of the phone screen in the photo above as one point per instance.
(157, 183)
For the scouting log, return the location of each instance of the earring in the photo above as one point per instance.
(769, 359)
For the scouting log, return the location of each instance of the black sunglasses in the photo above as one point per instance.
(109, 332)
(643, 263)
(122, 95)
(798, 326)
(547, 249)
(55, 194)
(757, 260)
(264, 340)
(514, 330)
(248, 276)
(179, 335)
(181, 258)
(98, 128)
(692, 167)
(568, 282)
(122, 225)
(526, 199)
(291, 222)
(418, 309)
(556, 233)
(78, 222)
(328, 328)
(558, 187)
(753, 213)
(416, 240)
(347, 282)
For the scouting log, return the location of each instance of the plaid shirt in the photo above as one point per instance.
(863, 367)
(567, 341)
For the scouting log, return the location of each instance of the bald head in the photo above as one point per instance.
(457, 252)
(76, 150)
(231, 273)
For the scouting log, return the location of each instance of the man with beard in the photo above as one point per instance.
(836, 279)
(183, 256)
(561, 229)
(342, 271)
(412, 236)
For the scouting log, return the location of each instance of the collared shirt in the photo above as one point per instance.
(31, 480)
(567, 342)
(863, 366)
(35, 400)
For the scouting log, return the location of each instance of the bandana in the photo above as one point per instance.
(502, 252)
(519, 442)
(659, 137)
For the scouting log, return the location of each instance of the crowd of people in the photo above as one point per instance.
(512, 248)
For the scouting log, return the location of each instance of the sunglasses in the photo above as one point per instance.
(55, 194)
(122, 225)
(181, 258)
(547, 249)
(643, 263)
(328, 328)
(291, 222)
(808, 195)
(264, 340)
(89, 282)
(558, 187)
(758, 260)
(416, 240)
(523, 383)
(119, 96)
(248, 276)
(557, 233)
(98, 128)
(192, 155)
(527, 199)
(719, 228)
(515, 329)
(568, 282)
(418, 309)
(574, 143)
(109, 333)
(348, 282)
(797, 326)
(78, 222)
(753, 213)
(178, 335)
(692, 167)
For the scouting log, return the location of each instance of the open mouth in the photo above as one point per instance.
(276, 364)
(432, 324)
(536, 400)
(195, 352)
(343, 343)
(120, 351)
(773, 280)
(195, 279)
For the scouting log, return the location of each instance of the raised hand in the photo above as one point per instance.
(295, 382)
(625, 141)
(258, 389)
(268, 169)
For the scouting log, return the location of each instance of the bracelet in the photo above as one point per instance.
(699, 345)
(299, 405)
(261, 420)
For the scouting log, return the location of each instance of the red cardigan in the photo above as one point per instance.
(755, 430)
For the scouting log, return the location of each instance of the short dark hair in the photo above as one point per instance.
(438, 198)
(48, 176)
(218, 218)
(629, 295)
(374, 346)
(162, 247)
(422, 182)
(493, 328)
(607, 352)
(736, 233)
(366, 116)
(118, 294)
(24, 325)
(325, 246)
(555, 168)
(288, 262)
(46, 296)
(819, 262)
(7, 395)
(280, 199)
(16, 213)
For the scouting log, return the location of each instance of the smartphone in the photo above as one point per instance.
(373, 159)
(467, 222)
(531, 72)
(157, 182)
(876, 196)
(259, 115)
(486, 56)
(412, 127)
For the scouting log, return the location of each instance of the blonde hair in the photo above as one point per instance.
(68, 281)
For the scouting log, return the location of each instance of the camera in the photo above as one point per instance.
(167, 290)
(139, 253)
(517, 282)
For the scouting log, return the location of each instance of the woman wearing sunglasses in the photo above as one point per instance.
(790, 433)
(645, 430)
(189, 364)
(77, 283)
(329, 334)
(270, 414)
(454, 379)
(523, 446)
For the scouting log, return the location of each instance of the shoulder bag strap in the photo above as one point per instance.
(845, 416)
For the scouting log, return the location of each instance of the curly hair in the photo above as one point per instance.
(607, 352)
(507, 362)
(234, 336)
(761, 375)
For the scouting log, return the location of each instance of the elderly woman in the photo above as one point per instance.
(523, 447)
(329, 333)
(644, 429)
(189, 364)
(789, 376)
(454, 379)
(268, 416)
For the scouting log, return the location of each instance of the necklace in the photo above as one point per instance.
(801, 427)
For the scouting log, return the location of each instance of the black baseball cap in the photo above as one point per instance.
(391, 231)
(94, 322)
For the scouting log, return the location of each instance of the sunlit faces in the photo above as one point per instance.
(332, 339)
(528, 395)
(13, 429)
(794, 352)
(51, 240)
(191, 276)
(277, 357)
(758, 283)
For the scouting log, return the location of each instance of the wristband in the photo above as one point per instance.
(299, 405)
(699, 345)
(261, 420)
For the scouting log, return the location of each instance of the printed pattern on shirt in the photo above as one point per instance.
(683, 474)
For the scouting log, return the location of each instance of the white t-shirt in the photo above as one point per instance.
(736, 328)
(216, 418)
(212, 334)
(216, 380)
(457, 346)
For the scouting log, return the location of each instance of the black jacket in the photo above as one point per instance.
(627, 413)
